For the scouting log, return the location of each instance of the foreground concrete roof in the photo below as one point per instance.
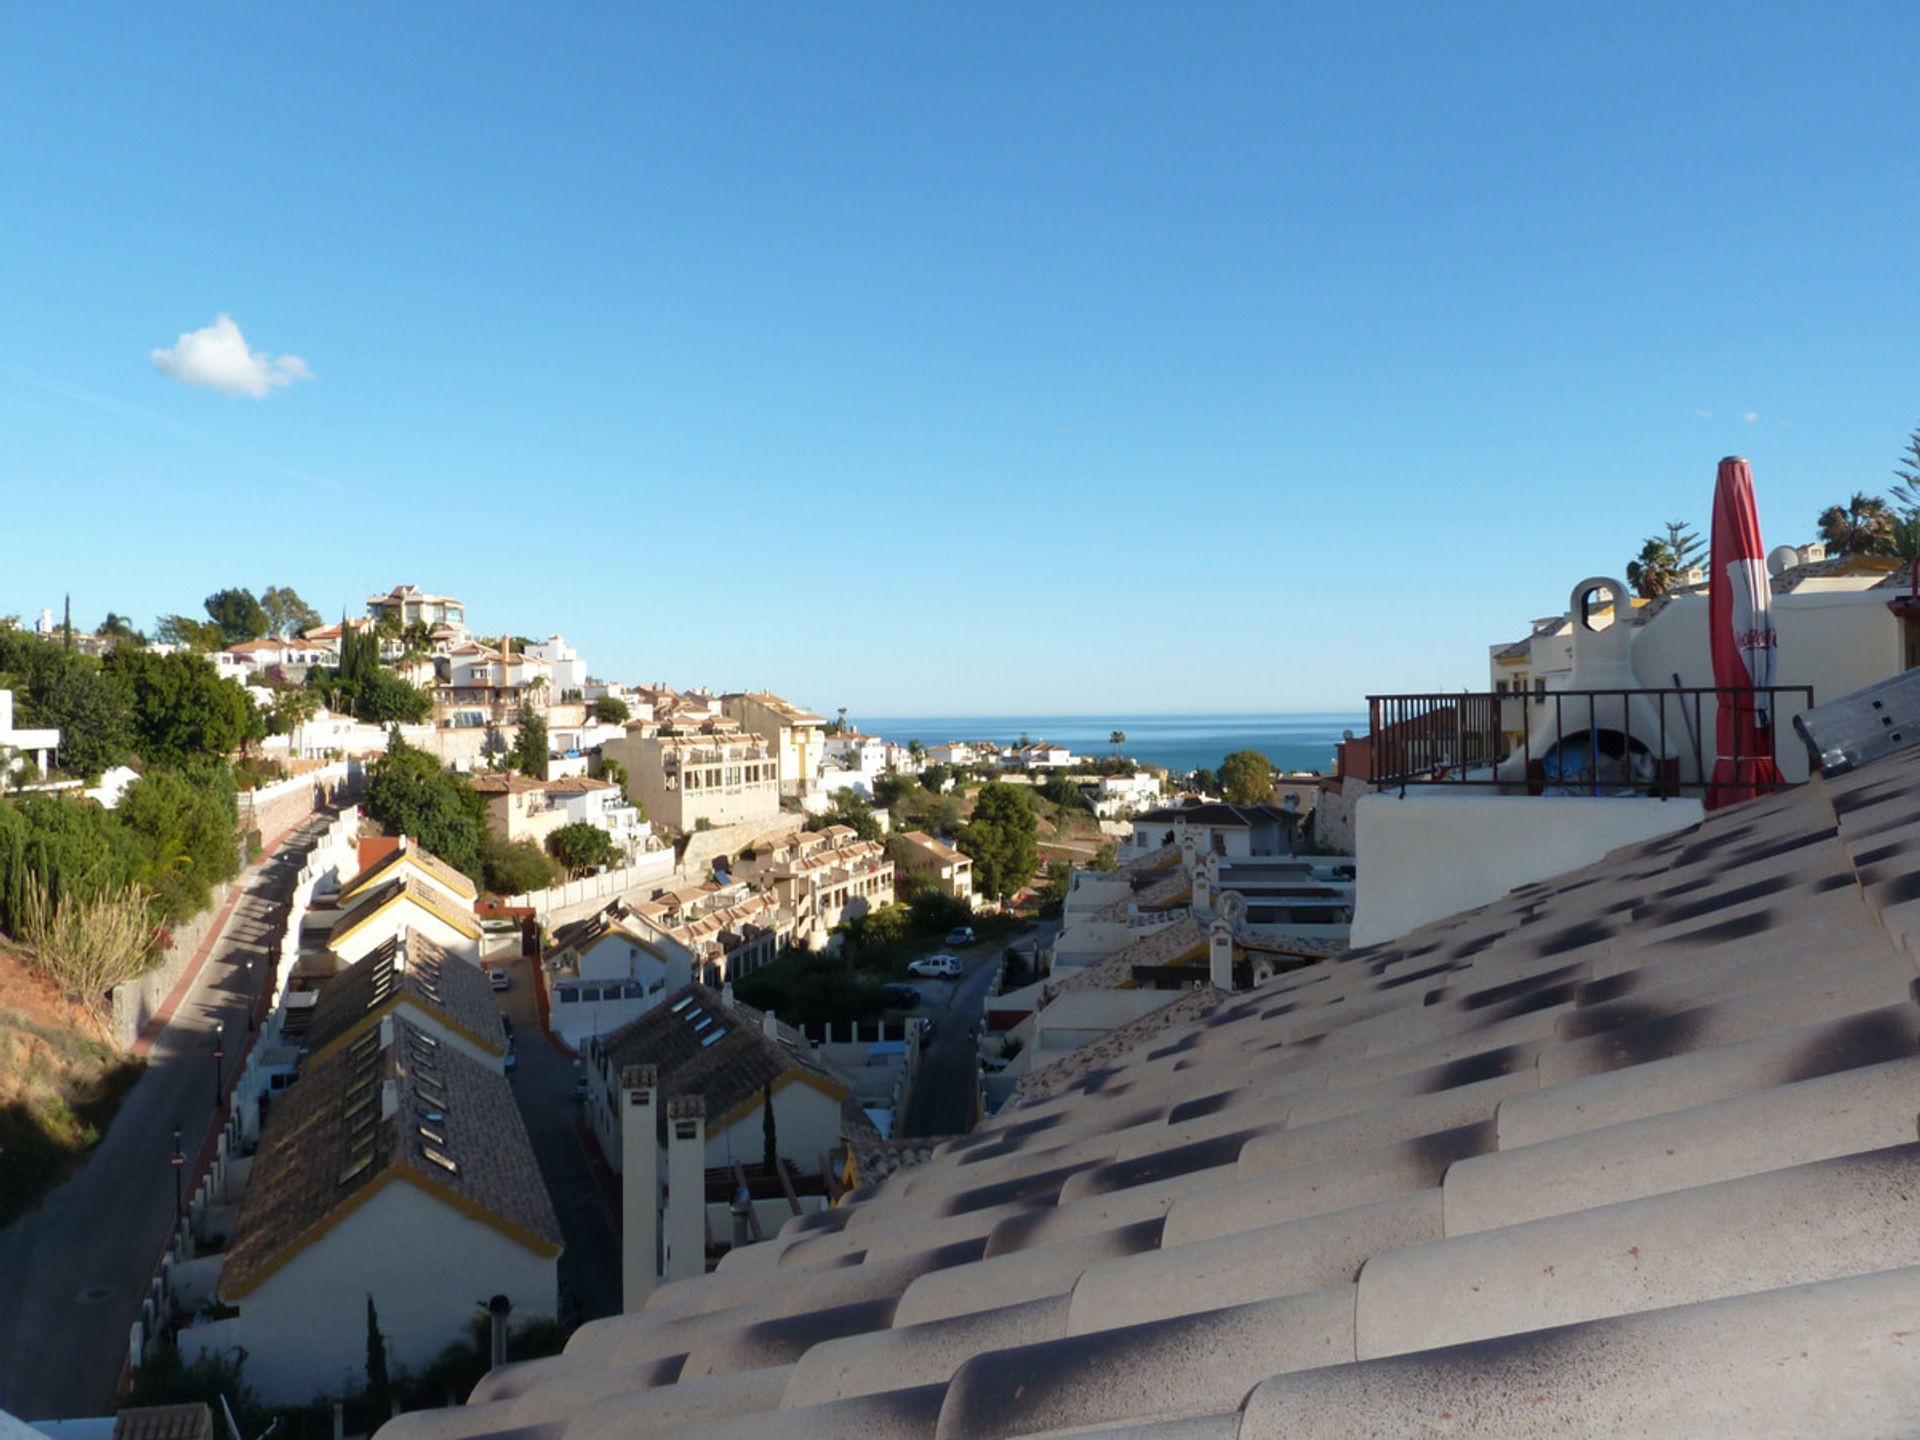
(1636, 1151)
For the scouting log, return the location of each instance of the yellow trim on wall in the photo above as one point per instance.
(833, 1092)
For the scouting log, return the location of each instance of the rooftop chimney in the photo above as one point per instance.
(769, 1027)
(640, 1186)
(1220, 956)
(726, 995)
(686, 1187)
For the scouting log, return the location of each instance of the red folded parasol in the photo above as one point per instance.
(1740, 617)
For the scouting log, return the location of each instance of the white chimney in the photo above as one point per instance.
(686, 1187)
(769, 1027)
(639, 1187)
(1220, 956)
(726, 994)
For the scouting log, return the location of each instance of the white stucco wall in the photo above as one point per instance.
(1436, 853)
(1836, 642)
(806, 1123)
(424, 1263)
(401, 916)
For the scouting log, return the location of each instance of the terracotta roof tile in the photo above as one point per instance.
(1591, 1159)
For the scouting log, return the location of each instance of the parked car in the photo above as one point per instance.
(938, 966)
(902, 997)
(960, 935)
(499, 979)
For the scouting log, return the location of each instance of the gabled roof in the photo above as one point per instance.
(615, 919)
(1162, 894)
(1629, 1152)
(729, 1073)
(408, 969)
(403, 888)
(392, 1105)
(379, 867)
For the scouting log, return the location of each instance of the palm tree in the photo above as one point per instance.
(1863, 526)
(1117, 739)
(1655, 572)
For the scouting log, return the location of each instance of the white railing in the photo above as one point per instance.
(654, 866)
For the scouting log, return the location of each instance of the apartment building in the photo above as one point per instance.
(934, 862)
(798, 737)
(701, 778)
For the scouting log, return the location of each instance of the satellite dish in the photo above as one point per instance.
(1782, 558)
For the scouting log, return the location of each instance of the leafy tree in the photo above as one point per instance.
(1246, 777)
(1065, 793)
(614, 773)
(287, 614)
(1863, 526)
(193, 634)
(1001, 840)
(581, 846)
(239, 616)
(1105, 858)
(408, 793)
(179, 706)
(848, 809)
(186, 833)
(935, 777)
(917, 749)
(1206, 782)
(935, 912)
(890, 789)
(611, 710)
(69, 692)
(529, 752)
(66, 850)
(940, 815)
(515, 867)
(1053, 894)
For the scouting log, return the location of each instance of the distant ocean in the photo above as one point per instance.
(1179, 742)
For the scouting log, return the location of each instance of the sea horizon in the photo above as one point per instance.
(1292, 740)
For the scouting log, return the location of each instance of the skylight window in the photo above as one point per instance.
(435, 1136)
(703, 1022)
(713, 1038)
(680, 1004)
(355, 1167)
(440, 1158)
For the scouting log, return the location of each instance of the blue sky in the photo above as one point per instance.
(982, 358)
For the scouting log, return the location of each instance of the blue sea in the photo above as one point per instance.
(1178, 742)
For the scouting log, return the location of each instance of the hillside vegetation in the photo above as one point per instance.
(60, 1083)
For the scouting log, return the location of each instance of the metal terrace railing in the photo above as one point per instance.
(1657, 743)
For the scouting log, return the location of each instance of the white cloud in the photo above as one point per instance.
(1704, 414)
(217, 355)
(1749, 416)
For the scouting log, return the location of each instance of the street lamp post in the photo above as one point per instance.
(253, 1005)
(179, 1162)
(219, 1055)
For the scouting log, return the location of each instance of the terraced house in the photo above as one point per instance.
(1627, 1152)
(397, 1168)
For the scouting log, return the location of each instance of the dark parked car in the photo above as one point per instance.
(902, 997)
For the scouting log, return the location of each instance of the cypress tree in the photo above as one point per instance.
(379, 1383)
(769, 1136)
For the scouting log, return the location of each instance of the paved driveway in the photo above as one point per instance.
(543, 1083)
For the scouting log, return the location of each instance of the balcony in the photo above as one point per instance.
(1651, 743)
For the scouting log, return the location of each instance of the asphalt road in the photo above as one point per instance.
(74, 1270)
(949, 1079)
(543, 1084)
